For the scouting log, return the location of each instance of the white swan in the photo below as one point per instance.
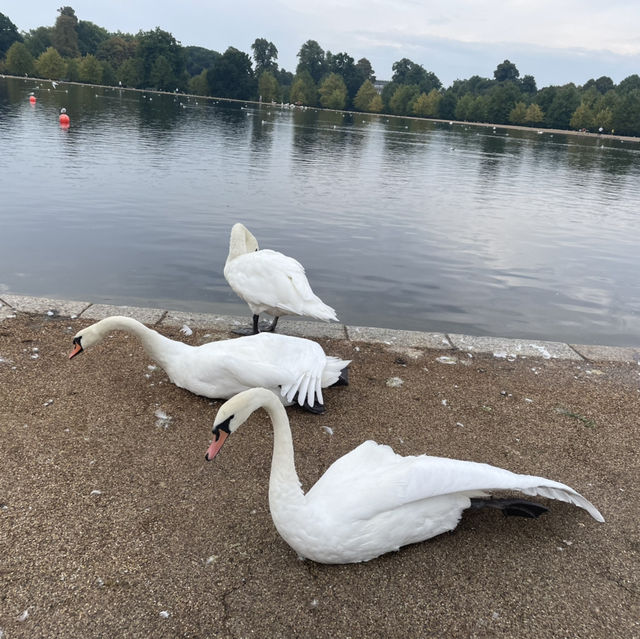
(270, 282)
(290, 366)
(371, 500)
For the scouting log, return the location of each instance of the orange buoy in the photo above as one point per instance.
(32, 99)
(64, 118)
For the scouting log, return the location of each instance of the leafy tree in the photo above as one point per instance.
(90, 70)
(582, 117)
(156, 43)
(626, 115)
(545, 97)
(428, 105)
(344, 65)
(311, 59)
(199, 59)
(268, 87)
(131, 72)
(387, 93)
(333, 92)
(565, 102)
(500, 100)
(479, 109)
(38, 40)
(407, 72)
(108, 74)
(528, 85)
(447, 106)
(365, 94)
(51, 65)
(162, 76)
(265, 55)
(630, 83)
(401, 102)
(604, 118)
(604, 83)
(116, 49)
(8, 34)
(506, 71)
(198, 84)
(90, 37)
(518, 114)
(376, 105)
(534, 115)
(64, 36)
(73, 70)
(232, 76)
(464, 107)
(303, 90)
(365, 69)
(19, 60)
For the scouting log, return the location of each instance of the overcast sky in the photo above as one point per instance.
(556, 41)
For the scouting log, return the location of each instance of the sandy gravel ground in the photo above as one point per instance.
(113, 525)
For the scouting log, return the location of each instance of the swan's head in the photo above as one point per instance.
(84, 339)
(241, 236)
(235, 412)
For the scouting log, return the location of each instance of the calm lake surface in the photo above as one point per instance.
(399, 223)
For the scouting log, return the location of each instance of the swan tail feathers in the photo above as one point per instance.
(334, 370)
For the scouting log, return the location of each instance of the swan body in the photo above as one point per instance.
(371, 500)
(270, 282)
(290, 366)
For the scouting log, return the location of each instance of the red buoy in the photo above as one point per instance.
(64, 118)
(32, 99)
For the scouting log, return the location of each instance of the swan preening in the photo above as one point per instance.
(371, 500)
(270, 282)
(296, 369)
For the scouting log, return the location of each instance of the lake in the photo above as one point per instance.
(400, 223)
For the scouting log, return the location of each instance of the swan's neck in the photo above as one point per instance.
(284, 485)
(241, 242)
(158, 347)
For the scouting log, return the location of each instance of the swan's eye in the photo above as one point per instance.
(222, 426)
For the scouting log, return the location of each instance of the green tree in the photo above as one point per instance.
(603, 118)
(565, 102)
(428, 105)
(601, 85)
(534, 115)
(626, 115)
(365, 94)
(401, 102)
(518, 114)
(407, 72)
(156, 43)
(268, 87)
(131, 73)
(447, 107)
(162, 76)
(38, 40)
(500, 100)
(480, 109)
(528, 85)
(582, 117)
(199, 59)
(365, 69)
(333, 92)
(303, 90)
(376, 105)
(311, 59)
(198, 84)
(64, 36)
(19, 60)
(464, 107)
(506, 72)
(51, 65)
(344, 65)
(232, 76)
(90, 37)
(90, 70)
(8, 34)
(116, 49)
(630, 83)
(73, 70)
(265, 55)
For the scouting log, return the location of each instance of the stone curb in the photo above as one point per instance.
(409, 342)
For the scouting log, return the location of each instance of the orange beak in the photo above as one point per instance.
(76, 349)
(216, 445)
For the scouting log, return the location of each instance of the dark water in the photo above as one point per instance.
(400, 223)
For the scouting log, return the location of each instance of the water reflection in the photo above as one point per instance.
(399, 222)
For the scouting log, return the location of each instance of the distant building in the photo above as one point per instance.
(378, 85)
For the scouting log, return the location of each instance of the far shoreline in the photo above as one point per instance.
(515, 127)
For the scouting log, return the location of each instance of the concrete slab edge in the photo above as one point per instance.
(401, 340)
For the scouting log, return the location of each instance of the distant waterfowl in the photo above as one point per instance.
(295, 368)
(371, 500)
(270, 282)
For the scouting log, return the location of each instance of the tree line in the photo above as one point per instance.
(81, 51)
